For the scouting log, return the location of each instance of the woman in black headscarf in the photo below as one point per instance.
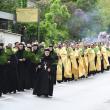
(44, 78)
(3, 61)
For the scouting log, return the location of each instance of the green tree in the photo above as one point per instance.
(86, 5)
(8, 5)
(104, 9)
(22, 3)
(55, 18)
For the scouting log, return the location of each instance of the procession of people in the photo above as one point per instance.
(34, 66)
(78, 60)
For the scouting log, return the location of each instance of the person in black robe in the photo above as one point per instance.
(21, 67)
(28, 67)
(36, 51)
(12, 78)
(55, 61)
(44, 80)
(1, 69)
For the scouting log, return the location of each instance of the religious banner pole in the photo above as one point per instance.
(15, 23)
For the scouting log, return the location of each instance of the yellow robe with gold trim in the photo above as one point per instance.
(66, 63)
(108, 53)
(105, 57)
(59, 71)
(86, 63)
(91, 59)
(81, 64)
(73, 55)
(59, 74)
(98, 62)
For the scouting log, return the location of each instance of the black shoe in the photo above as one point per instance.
(5, 92)
(59, 81)
(14, 92)
(34, 93)
(46, 96)
(20, 90)
(38, 95)
(9, 92)
(0, 94)
(50, 95)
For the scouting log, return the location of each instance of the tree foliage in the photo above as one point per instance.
(8, 5)
(104, 9)
(86, 5)
(54, 20)
(21, 3)
(64, 19)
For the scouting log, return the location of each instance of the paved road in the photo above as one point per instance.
(87, 94)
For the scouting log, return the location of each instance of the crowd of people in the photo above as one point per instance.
(79, 60)
(27, 66)
(32, 66)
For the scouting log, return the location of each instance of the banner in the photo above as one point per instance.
(27, 15)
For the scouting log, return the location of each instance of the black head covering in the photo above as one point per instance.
(1, 44)
(35, 45)
(21, 44)
(47, 49)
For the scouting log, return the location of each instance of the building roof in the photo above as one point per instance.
(7, 16)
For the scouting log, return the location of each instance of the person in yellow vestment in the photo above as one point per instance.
(98, 58)
(85, 60)
(69, 65)
(76, 70)
(66, 63)
(73, 55)
(105, 57)
(108, 53)
(59, 72)
(81, 62)
(91, 60)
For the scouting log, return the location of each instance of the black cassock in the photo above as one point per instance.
(2, 71)
(12, 74)
(33, 69)
(28, 72)
(1, 78)
(44, 79)
(23, 74)
(54, 64)
(21, 70)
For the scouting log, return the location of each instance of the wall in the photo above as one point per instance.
(8, 37)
